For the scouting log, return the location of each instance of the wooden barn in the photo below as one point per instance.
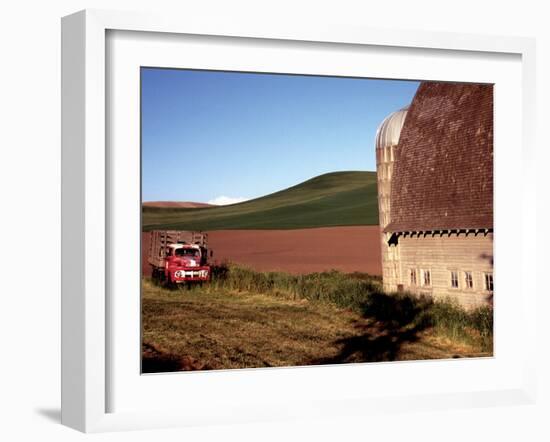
(435, 193)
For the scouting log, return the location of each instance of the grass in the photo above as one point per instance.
(333, 199)
(247, 319)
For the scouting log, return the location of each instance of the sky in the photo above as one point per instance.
(224, 137)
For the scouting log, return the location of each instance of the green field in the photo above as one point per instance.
(333, 199)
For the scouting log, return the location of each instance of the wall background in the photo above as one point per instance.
(30, 203)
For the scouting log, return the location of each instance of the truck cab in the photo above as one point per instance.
(186, 262)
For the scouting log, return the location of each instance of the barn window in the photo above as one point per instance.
(489, 282)
(426, 277)
(468, 280)
(454, 279)
(413, 276)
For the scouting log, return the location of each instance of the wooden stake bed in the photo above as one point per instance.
(160, 239)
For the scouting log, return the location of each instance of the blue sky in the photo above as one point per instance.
(211, 134)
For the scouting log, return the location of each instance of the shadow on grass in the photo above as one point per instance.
(154, 360)
(394, 320)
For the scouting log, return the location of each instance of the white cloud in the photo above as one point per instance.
(225, 200)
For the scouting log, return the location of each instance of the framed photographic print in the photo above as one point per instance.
(251, 212)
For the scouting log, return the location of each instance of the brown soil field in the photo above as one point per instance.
(348, 249)
(176, 204)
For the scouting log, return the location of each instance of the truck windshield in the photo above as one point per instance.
(187, 252)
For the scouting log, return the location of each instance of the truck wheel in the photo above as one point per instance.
(168, 284)
(157, 276)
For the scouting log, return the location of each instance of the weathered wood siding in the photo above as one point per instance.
(442, 254)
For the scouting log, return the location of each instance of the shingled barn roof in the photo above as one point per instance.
(443, 175)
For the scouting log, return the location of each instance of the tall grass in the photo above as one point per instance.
(335, 287)
(364, 294)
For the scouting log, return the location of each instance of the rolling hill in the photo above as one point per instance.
(177, 204)
(332, 199)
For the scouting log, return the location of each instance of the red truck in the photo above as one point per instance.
(179, 256)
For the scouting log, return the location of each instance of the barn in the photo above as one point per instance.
(435, 193)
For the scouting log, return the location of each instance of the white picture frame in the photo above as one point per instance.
(86, 315)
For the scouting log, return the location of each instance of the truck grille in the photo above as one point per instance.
(191, 273)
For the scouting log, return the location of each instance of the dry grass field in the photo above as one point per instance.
(216, 327)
